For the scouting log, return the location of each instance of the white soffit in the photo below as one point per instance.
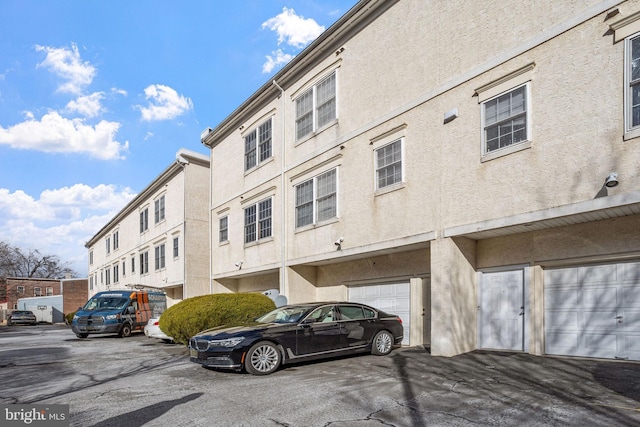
(576, 213)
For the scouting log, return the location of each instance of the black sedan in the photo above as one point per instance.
(295, 333)
(22, 317)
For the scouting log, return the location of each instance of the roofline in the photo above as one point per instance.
(345, 28)
(183, 158)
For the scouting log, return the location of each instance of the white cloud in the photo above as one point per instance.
(67, 64)
(56, 134)
(276, 58)
(165, 103)
(295, 30)
(88, 106)
(60, 221)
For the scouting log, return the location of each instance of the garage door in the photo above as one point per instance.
(393, 298)
(593, 311)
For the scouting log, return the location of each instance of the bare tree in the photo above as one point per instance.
(14, 262)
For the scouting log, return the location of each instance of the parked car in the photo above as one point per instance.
(22, 317)
(295, 333)
(152, 330)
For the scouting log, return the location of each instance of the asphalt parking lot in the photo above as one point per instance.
(107, 381)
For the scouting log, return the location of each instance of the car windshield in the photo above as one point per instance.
(106, 303)
(289, 314)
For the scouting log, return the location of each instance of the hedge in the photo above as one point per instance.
(192, 315)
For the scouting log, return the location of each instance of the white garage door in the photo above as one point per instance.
(393, 298)
(593, 311)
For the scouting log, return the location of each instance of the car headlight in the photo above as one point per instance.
(229, 342)
(111, 316)
(75, 317)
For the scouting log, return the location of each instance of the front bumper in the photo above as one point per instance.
(224, 358)
(98, 329)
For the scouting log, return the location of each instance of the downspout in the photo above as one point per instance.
(284, 288)
(183, 162)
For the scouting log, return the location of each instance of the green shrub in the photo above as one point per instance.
(188, 317)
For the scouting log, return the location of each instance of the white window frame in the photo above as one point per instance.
(144, 262)
(116, 240)
(108, 245)
(316, 199)
(144, 220)
(159, 257)
(176, 247)
(377, 168)
(262, 148)
(48, 291)
(631, 130)
(223, 229)
(257, 229)
(526, 115)
(159, 209)
(314, 109)
(20, 290)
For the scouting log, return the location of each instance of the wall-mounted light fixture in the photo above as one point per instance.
(238, 265)
(338, 243)
(612, 180)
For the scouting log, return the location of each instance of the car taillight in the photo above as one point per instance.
(399, 319)
(156, 323)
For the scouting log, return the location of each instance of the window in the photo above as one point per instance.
(159, 258)
(91, 283)
(116, 242)
(388, 161)
(316, 199)
(133, 264)
(144, 220)
(49, 291)
(37, 292)
(505, 119)
(257, 221)
(223, 232)
(115, 274)
(316, 107)
(20, 289)
(107, 275)
(159, 209)
(144, 262)
(108, 245)
(175, 247)
(632, 79)
(124, 269)
(257, 145)
(90, 257)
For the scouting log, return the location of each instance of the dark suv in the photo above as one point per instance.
(22, 317)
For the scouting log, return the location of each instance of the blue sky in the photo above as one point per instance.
(96, 97)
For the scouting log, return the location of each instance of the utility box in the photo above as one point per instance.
(44, 313)
(47, 309)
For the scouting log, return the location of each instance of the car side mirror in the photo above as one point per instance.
(309, 321)
(131, 309)
(79, 309)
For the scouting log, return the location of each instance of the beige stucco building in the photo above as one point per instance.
(160, 239)
(471, 165)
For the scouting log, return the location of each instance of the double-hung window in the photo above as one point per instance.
(115, 274)
(223, 233)
(144, 220)
(37, 292)
(159, 257)
(388, 164)
(116, 240)
(257, 221)
(316, 107)
(257, 145)
(176, 246)
(317, 199)
(144, 262)
(159, 209)
(505, 119)
(108, 245)
(632, 81)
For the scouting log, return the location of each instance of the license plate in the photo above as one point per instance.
(193, 353)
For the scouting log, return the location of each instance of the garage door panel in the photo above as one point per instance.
(561, 298)
(562, 343)
(597, 273)
(563, 319)
(600, 296)
(599, 316)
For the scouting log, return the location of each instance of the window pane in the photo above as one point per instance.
(224, 229)
(326, 192)
(250, 150)
(250, 224)
(265, 140)
(265, 218)
(389, 164)
(505, 120)
(304, 114)
(326, 100)
(304, 203)
(635, 59)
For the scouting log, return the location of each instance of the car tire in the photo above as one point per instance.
(382, 343)
(125, 331)
(82, 335)
(263, 358)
